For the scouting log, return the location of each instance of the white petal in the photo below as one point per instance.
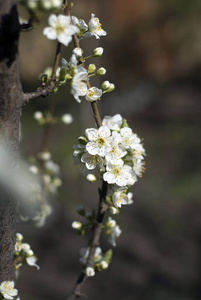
(52, 21)
(50, 33)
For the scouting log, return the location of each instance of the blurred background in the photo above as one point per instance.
(152, 53)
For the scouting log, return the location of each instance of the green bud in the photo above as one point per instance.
(97, 52)
(91, 68)
(68, 77)
(44, 78)
(111, 88)
(62, 74)
(124, 123)
(82, 140)
(81, 210)
(108, 199)
(105, 85)
(101, 71)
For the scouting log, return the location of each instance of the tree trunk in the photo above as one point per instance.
(10, 111)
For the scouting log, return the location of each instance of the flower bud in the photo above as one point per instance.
(103, 265)
(76, 225)
(111, 223)
(105, 85)
(62, 74)
(19, 237)
(81, 210)
(97, 52)
(101, 71)
(67, 119)
(91, 178)
(44, 155)
(113, 210)
(33, 169)
(111, 88)
(90, 272)
(91, 68)
(78, 52)
(38, 115)
(82, 140)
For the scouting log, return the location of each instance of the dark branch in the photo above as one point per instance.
(41, 92)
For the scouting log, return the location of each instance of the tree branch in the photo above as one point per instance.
(102, 208)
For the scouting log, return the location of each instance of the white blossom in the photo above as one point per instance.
(118, 174)
(120, 197)
(117, 152)
(98, 141)
(115, 233)
(94, 27)
(31, 261)
(60, 28)
(90, 272)
(114, 123)
(79, 83)
(93, 94)
(91, 161)
(80, 24)
(130, 140)
(7, 289)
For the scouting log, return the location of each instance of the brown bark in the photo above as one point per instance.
(10, 110)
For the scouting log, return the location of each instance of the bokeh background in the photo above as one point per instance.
(152, 54)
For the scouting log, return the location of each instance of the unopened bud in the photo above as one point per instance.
(78, 52)
(91, 178)
(38, 115)
(105, 85)
(111, 88)
(101, 71)
(82, 140)
(91, 68)
(103, 264)
(98, 52)
(67, 119)
(90, 272)
(76, 225)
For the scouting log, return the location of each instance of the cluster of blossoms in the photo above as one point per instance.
(101, 261)
(115, 154)
(61, 29)
(7, 290)
(23, 253)
(46, 175)
(41, 6)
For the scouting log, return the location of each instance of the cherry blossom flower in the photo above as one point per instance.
(120, 197)
(130, 140)
(93, 94)
(116, 153)
(7, 289)
(91, 161)
(118, 174)
(114, 123)
(94, 28)
(60, 28)
(98, 140)
(79, 83)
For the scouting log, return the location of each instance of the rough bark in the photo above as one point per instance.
(10, 110)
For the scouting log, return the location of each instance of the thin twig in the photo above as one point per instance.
(102, 208)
